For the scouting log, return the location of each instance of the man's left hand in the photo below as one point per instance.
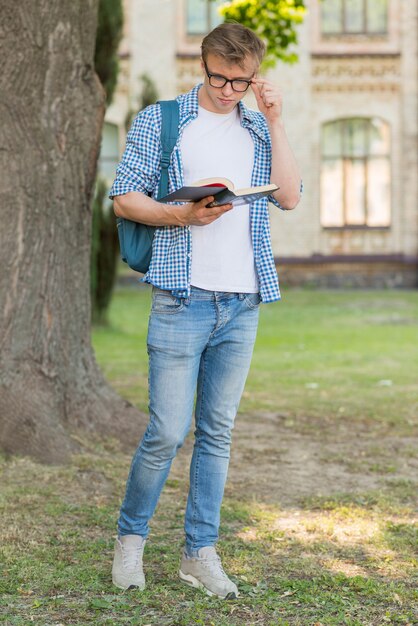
(269, 99)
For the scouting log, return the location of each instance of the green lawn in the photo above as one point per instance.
(340, 354)
(319, 523)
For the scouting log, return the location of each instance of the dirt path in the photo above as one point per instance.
(272, 461)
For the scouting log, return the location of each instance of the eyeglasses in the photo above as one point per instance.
(237, 84)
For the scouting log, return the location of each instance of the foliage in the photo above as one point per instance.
(274, 21)
(149, 95)
(104, 253)
(109, 33)
(105, 249)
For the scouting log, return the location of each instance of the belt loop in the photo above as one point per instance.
(240, 296)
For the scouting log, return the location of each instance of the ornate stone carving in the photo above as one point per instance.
(370, 87)
(365, 73)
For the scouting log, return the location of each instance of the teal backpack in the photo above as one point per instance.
(135, 240)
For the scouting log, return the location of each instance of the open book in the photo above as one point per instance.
(223, 191)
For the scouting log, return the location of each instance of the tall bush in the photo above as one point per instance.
(104, 253)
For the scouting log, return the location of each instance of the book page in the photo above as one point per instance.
(218, 182)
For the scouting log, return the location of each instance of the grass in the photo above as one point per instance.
(318, 353)
(340, 354)
(322, 366)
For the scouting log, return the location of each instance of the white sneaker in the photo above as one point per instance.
(205, 572)
(127, 572)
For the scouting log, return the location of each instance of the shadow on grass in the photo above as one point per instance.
(341, 560)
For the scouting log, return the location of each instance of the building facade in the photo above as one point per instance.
(351, 114)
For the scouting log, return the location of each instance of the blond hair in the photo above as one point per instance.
(233, 43)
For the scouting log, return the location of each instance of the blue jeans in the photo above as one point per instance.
(202, 344)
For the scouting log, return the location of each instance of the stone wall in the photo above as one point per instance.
(341, 78)
(334, 78)
(395, 271)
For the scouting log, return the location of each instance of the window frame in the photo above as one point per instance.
(208, 19)
(104, 161)
(345, 158)
(343, 32)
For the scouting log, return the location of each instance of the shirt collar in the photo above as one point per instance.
(189, 105)
(189, 108)
(253, 120)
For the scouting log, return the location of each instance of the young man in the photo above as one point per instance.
(210, 269)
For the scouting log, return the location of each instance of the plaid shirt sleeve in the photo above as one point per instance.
(276, 203)
(139, 167)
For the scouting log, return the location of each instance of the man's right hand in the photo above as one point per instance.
(138, 207)
(198, 213)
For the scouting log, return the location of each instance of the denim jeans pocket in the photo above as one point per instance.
(165, 302)
(252, 300)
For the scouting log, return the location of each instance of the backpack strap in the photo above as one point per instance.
(169, 135)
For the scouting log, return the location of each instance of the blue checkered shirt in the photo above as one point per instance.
(139, 170)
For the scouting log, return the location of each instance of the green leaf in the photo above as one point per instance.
(100, 604)
(274, 22)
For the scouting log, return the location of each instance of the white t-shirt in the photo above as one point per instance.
(216, 145)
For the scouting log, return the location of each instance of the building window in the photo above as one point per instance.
(109, 152)
(355, 173)
(202, 16)
(352, 17)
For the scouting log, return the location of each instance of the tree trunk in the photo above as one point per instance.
(51, 113)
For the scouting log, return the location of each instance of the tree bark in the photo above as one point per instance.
(51, 113)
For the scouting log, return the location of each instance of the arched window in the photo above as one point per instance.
(355, 173)
(354, 17)
(202, 16)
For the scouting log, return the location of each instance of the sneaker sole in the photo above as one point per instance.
(130, 587)
(193, 582)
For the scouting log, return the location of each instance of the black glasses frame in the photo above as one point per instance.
(226, 80)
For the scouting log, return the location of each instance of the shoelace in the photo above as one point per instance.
(132, 556)
(214, 566)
